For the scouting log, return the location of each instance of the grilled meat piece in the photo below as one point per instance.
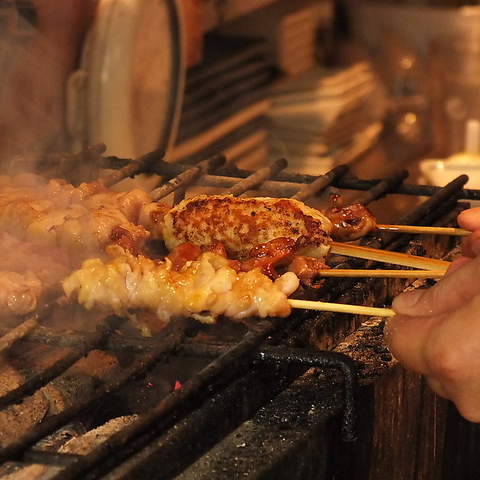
(19, 293)
(27, 272)
(242, 223)
(203, 288)
(83, 219)
(349, 223)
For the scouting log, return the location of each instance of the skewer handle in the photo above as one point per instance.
(387, 256)
(338, 272)
(424, 229)
(341, 308)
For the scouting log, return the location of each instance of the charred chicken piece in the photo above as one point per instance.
(83, 219)
(308, 270)
(349, 223)
(240, 224)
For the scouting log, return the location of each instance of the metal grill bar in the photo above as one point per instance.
(91, 341)
(320, 184)
(229, 360)
(257, 178)
(187, 177)
(303, 356)
(175, 404)
(128, 374)
(153, 162)
(11, 336)
(453, 190)
(142, 165)
(383, 187)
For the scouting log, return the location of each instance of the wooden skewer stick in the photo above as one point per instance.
(341, 308)
(387, 256)
(424, 229)
(338, 272)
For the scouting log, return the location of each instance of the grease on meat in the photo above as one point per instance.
(240, 224)
(203, 288)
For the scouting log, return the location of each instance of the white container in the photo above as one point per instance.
(439, 172)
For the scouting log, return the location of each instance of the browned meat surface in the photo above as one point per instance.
(240, 224)
(349, 223)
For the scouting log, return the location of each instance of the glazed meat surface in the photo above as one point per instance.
(242, 223)
(349, 223)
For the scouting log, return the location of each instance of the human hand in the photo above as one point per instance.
(436, 332)
(470, 220)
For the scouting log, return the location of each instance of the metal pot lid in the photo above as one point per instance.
(127, 92)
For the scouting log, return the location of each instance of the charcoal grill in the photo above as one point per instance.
(313, 396)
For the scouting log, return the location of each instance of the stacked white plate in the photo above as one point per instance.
(226, 102)
(326, 116)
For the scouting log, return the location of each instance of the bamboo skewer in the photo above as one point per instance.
(424, 229)
(338, 272)
(341, 308)
(387, 256)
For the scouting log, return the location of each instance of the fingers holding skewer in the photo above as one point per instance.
(242, 224)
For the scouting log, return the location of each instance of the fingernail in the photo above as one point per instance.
(407, 300)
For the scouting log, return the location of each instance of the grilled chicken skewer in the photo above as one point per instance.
(242, 223)
(81, 219)
(355, 221)
(189, 283)
(85, 220)
(85, 217)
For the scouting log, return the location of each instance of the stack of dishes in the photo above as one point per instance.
(326, 116)
(225, 101)
(295, 32)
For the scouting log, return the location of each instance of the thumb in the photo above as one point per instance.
(404, 304)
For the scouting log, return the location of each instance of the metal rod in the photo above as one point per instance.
(188, 176)
(257, 178)
(40, 379)
(128, 374)
(297, 356)
(321, 183)
(141, 165)
(17, 333)
(378, 191)
(174, 405)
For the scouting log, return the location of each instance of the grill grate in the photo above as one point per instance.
(262, 353)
